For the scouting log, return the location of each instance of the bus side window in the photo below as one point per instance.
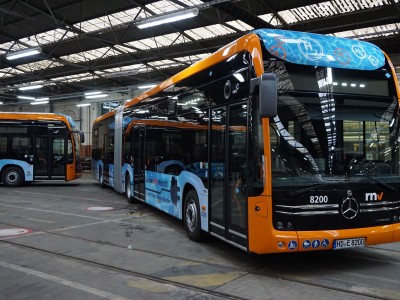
(152, 156)
(3, 144)
(21, 147)
(126, 150)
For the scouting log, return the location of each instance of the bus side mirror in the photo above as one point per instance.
(268, 95)
(82, 137)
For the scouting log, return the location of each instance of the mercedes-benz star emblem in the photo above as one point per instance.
(349, 206)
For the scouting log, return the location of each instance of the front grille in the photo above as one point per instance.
(379, 206)
(308, 209)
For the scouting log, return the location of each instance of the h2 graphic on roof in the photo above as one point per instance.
(321, 50)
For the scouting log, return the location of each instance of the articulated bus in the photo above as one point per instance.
(281, 141)
(38, 146)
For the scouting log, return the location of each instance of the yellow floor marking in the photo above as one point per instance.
(189, 263)
(151, 286)
(41, 220)
(206, 280)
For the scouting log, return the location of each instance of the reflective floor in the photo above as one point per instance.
(77, 240)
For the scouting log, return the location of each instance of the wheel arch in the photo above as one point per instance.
(188, 187)
(12, 165)
(192, 181)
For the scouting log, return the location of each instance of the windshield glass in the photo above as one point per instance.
(333, 125)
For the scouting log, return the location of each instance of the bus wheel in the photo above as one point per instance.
(13, 176)
(192, 217)
(128, 189)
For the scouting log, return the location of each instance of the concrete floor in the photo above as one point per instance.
(67, 246)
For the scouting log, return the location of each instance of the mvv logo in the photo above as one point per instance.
(373, 196)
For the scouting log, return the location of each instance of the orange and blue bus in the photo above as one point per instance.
(280, 141)
(38, 146)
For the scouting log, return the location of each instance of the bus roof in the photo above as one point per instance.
(321, 50)
(250, 42)
(27, 116)
(293, 46)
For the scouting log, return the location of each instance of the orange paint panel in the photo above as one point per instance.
(258, 226)
(34, 117)
(261, 209)
(262, 237)
(394, 76)
(162, 123)
(396, 232)
(105, 116)
(71, 173)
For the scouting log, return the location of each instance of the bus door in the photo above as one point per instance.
(50, 157)
(139, 161)
(227, 164)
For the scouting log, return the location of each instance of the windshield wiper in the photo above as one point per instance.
(388, 186)
(315, 186)
(305, 190)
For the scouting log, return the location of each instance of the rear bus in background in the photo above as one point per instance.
(280, 141)
(38, 146)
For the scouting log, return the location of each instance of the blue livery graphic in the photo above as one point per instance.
(321, 50)
(162, 191)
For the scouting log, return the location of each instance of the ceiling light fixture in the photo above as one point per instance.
(96, 96)
(146, 86)
(26, 97)
(168, 18)
(42, 99)
(30, 87)
(22, 53)
(92, 93)
(83, 104)
(39, 102)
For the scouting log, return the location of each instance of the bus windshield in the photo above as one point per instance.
(334, 125)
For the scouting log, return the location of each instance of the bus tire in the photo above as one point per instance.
(192, 217)
(128, 189)
(13, 176)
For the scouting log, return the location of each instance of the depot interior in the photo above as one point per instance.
(85, 58)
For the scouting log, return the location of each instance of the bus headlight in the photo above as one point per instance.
(283, 226)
